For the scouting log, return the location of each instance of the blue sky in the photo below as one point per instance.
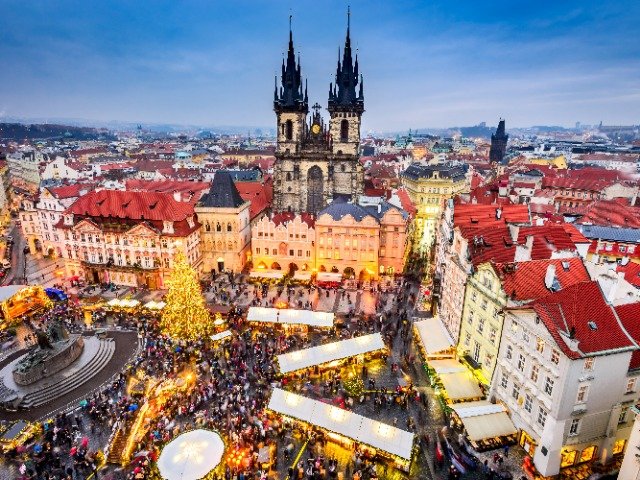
(426, 64)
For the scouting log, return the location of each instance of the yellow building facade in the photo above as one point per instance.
(482, 322)
(429, 187)
(559, 162)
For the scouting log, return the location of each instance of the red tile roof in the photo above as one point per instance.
(524, 281)
(611, 213)
(194, 190)
(575, 183)
(132, 205)
(70, 191)
(283, 218)
(260, 194)
(485, 215)
(629, 315)
(489, 244)
(567, 314)
(575, 234)
(631, 274)
(547, 239)
(405, 202)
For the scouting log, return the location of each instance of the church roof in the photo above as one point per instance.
(223, 192)
(339, 209)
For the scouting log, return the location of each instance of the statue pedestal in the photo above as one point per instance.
(43, 363)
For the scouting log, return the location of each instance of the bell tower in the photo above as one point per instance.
(346, 102)
(290, 103)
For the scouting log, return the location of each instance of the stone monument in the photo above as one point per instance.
(56, 350)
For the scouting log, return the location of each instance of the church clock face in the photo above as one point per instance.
(315, 129)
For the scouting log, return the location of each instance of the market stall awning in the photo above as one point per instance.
(343, 422)
(484, 420)
(447, 365)
(434, 337)
(460, 386)
(291, 316)
(276, 274)
(191, 456)
(221, 335)
(114, 302)
(309, 357)
(303, 276)
(152, 305)
(328, 277)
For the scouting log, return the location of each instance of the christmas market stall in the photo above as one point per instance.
(291, 320)
(346, 428)
(487, 425)
(191, 456)
(16, 435)
(434, 340)
(454, 382)
(18, 300)
(331, 354)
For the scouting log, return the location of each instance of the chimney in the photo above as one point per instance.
(379, 208)
(177, 196)
(550, 276)
(514, 230)
(498, 213)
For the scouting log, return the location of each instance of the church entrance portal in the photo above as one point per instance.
(314, 190)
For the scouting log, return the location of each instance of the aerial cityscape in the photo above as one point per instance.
(362, 241)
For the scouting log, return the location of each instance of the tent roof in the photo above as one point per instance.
(191, 456)
(362, 429)
(433, 335)
(460, 386)
(290, 315)
(483, 420)
(329, 352)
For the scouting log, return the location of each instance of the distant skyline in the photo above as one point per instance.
(425, 64)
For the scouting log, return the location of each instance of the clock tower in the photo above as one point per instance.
(315, 164)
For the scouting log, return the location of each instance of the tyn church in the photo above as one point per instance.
(316, 163)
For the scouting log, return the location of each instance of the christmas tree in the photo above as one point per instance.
(185, 315)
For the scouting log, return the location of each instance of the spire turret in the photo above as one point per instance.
(292, 96)
(344, 96)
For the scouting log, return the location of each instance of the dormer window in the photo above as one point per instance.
(190, 222)
(167, 226)
(68, 219)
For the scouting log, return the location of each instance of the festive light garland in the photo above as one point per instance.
(185, 315)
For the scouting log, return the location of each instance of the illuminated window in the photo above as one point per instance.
(631, 385)
(618, 447)
(540, 345)
(568, 458)
(534, 373)
(588, 363)
(555, 357)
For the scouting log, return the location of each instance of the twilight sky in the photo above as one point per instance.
(429, 63)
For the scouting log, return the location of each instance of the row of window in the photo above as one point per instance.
(364, 256)
(291, 235)
(275, 252)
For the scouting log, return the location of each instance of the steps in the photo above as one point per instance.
(105, 351)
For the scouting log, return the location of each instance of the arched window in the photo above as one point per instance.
(228, 227)
(207, 227)
(288, 176)
(218, 227)
(289, 129)
(344, 131)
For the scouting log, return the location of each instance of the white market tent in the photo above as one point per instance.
(290, 316)
(433, 336)
(328, 277)
(343, 422)
(460, 386)
(127, 303)
(221, 335)
(447, 365)
(303, 276)
(191, 456)
(276, 274)
(154, 305)
(484, 420)
(309, 357)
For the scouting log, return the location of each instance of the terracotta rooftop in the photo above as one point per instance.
(525, 281)
(629, 315)
(592, 324)
(485, 215)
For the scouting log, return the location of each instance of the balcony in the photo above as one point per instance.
(135, 267)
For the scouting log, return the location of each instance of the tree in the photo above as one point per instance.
(185, 315)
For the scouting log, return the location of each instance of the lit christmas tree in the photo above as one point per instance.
(185, 315)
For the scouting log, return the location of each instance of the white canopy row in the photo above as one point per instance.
(484, 420)
(309, 357)
(221, 335)
(277, 274)
(154, 305)
(127, 303)
(191, 456)
(329, 277)
(343, 422)
(434, 337)
(292, 316)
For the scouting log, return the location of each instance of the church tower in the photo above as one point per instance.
(290, 102)
(316, 164)
(345, 105)
(498, 144)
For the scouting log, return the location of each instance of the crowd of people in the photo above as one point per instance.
(232, 385)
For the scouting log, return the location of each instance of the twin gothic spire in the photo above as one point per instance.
(290, 96)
